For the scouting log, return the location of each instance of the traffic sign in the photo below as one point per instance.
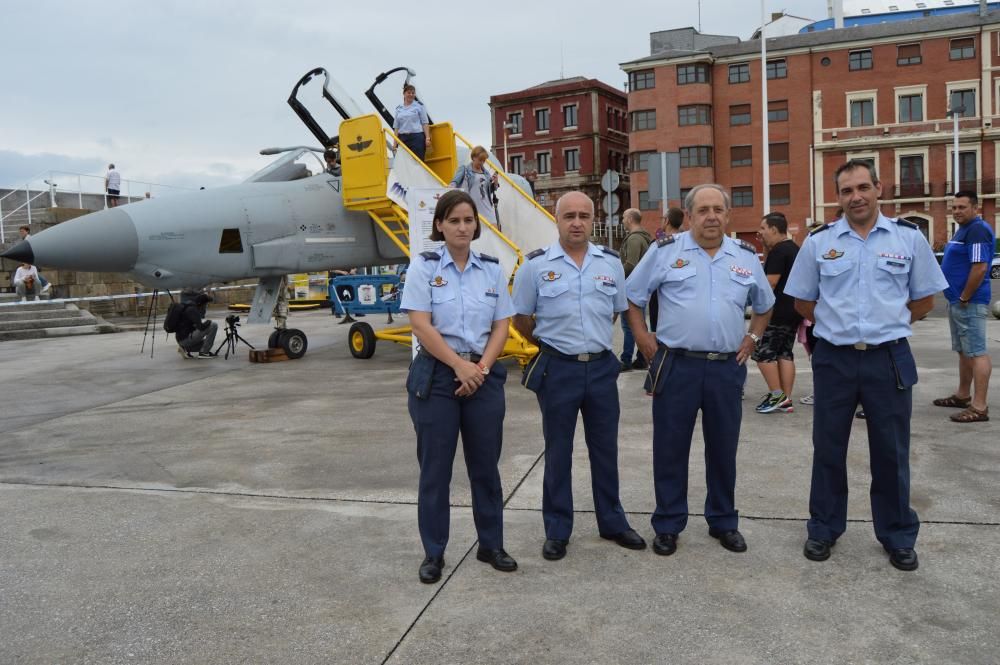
(610, 180)
(610, 202)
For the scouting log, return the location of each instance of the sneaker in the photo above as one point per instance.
(763, 402)
(183, 353)
(773, 403)
(788, 406)
(204, 355)
(808, 399)
(625, 367)
(45, 289)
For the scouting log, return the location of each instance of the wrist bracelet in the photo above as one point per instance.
(483, 368)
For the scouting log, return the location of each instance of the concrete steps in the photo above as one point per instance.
(41, 319)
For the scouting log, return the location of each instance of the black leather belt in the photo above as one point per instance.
(579, 357)
(701, 355)
(471, 357)
(862, 346)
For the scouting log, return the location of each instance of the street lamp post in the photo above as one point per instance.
(955, 114)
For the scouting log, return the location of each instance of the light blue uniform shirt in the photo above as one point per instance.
(861, 287)
(410, 119)
(463, 305)
(574, 307)
(702, 298)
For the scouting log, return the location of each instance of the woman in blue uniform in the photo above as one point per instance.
(411, 123)
(459, 308)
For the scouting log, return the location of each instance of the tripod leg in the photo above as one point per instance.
(149, 313)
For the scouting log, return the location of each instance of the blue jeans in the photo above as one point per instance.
(628, 345)
(968, 328)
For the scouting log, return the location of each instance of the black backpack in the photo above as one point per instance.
(175, 313)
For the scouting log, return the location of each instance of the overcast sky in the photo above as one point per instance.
(185, 93)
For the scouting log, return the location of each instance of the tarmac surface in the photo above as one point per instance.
(161, 510)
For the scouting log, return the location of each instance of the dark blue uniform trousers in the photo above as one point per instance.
(438, 420)
(571, 387)
(881, 381)
(690, 385)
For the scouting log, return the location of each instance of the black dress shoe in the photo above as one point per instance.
(817, 550)
(497, 558)
(430, 569)
(665, 544)
(553, 550)
(904, 558)
(731, 540)
(627, 538)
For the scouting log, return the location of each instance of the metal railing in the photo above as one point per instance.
(897, 129)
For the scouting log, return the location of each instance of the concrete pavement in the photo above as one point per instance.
(163, 510)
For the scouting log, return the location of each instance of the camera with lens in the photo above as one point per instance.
(233, 320)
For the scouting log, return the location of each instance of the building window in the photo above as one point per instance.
(963, 49)
(699, 155)
(742, 197)
(859, 60)
(911, 108)
(695, 114)
(777, 153)
(572, 157)
(777, 69)
(739, 114)
(641, 80)
(966, 100)
(967, 171)
(643, 120)
(781, 195)
(569, 116)
(516, 121)
(692, 74)
(908, 54)
(739, 73)
(911, 176)
(640, 160)
(862, 112)
(517, 164)
(741, 155)
(544, 162)
(777, 111)
(645, 203)
(541, 120)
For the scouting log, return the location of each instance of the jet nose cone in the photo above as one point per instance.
(21, 252)
(103, 241)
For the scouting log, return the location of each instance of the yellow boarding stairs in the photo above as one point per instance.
(370, 186)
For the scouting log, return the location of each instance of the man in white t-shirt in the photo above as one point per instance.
(113, 185)
(26, 282)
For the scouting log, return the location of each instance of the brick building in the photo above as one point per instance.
(563, 135)
(878, 92)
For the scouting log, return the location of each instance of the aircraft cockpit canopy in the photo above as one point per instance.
(292, 165)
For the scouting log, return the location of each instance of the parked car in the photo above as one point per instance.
(994, 267)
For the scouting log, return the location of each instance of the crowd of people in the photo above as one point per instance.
(852, 290)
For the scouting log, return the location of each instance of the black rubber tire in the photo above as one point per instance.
(995, 271)
(294, 343)
(361, 340)
(274, 341)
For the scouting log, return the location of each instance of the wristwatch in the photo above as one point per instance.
(755, 338)
(964, 301)
(483, 368)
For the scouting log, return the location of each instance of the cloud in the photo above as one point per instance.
(17, 168)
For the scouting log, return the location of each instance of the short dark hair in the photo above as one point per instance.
(850, 165)
(446, 204)
(777, 221)
(25, 227)
(967, 194)
(408, 87)
(675, 218)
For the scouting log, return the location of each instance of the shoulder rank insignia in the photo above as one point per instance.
(819, 229)
(431, 256)
(747, 246)
(438, 281)
(608, 250)
(551, 276)
(666, 240)
(488, 258)
(535, 254)
(832, 254)
(679, 263)
(907, 223)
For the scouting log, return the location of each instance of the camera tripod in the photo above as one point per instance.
(232, 337)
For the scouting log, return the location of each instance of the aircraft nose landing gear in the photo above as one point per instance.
(290, 340)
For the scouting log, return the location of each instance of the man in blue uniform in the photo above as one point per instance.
(862, 279)
(574, 289)
(702, 279)
(966, 265)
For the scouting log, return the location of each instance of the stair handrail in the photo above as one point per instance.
(3, 236)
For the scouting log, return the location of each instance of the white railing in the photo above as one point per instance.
(50, 183)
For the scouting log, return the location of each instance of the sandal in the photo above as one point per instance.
(972, 415)
(954, 401)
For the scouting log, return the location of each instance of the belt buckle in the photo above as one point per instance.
(861, 346)
(464, 355)
(583, 357)
(711, 355)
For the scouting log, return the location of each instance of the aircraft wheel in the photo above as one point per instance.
(361, 339)
(274, 341)
(294, 343)
(995, 272)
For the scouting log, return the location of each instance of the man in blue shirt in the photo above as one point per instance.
(966, 264)
(575, 289)
(702, 278)
(862, 279)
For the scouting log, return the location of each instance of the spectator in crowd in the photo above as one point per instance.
(411, 123)
(113, 185)
(26, 282)
(25, 233)
(479, 182)
(633, 248)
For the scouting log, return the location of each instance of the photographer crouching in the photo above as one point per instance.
(195, 333)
